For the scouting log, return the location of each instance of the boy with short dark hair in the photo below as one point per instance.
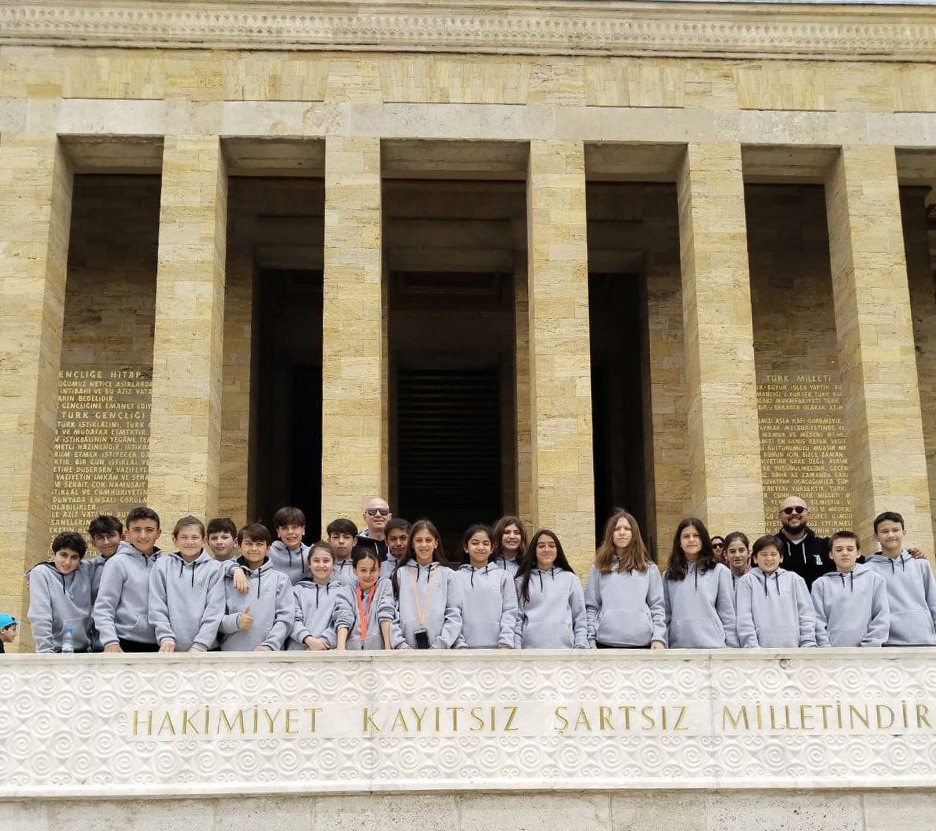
(850, 602)
(342, 536)
(106, 532)
(121, 610)
(774, 608)
(61, 594)
(289, 554)
(396, 533)
(911, 589)
(261, 619)
(222, 539)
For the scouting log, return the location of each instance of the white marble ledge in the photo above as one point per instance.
(161, 725)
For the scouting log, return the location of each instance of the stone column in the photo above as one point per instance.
(188, 340)
(560, 361)
(35, 214)
(354, 425)
(874, 326)
(723, 436)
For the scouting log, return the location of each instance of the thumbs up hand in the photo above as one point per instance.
(244, 620)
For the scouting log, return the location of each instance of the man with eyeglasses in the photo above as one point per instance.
(376, 515)
(803, 552)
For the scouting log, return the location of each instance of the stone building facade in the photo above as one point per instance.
(670, 255)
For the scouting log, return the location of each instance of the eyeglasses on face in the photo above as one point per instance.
(718, 545)
(794, 509)
(377, 512)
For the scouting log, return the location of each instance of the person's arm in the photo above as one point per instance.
(806, 613)
(592, 604)
(159, 607)
(724, 606)
(299, 631)
(822, 621)
(105, 606)
(285, 613)
(579, 615)
(452, 623)
(508, 621)
(212, 614)
(929, 588)
(879, 626)
(40, 609)
(657, 608)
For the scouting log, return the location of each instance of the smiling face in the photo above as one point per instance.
(424, 546)
(690, 541)
(890, 535)
(794, 515)
(253, 551)
(546, 552)
(768, 559)
(367, 571)
(320, 565)
(106, 542)
(478, 549)
(189, 541)
(143, 534)
(511, 540)
(66, 560)
(291, 535)
(376, 515)
(738, 557)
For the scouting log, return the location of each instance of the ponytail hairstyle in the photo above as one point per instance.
(634, 555)
(676, 570)
(528, 563)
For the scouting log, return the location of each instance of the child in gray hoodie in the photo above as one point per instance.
(624, 596)
(428, 610)
(318, 612)
(488, 596)
(773, 605)
(697, 590)
(186, 594)
(371, 608)
(288, 554)
(911, 590)
(61, 594)
(552, 605)
(850, 602)
(261, 619)
(121, 609)
(510, 543)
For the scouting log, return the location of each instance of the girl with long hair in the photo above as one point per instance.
(488, 595)
(510, 541)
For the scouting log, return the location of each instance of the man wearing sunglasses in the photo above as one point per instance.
(803, 552)
(376, 515)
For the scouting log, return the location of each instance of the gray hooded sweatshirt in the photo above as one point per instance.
(554, 617)
(488, 607)
(186, 601)
(291, 563)
(700, 611)
(851, 609)
(272, 607)
(381, 607)
(509, 564)
(318, 612)
(911, 596)
(121, 609)
(343, 572)
(774, 610)
(428, 599)
(625, 608)
(58, 601)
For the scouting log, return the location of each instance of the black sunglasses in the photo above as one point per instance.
(796, 509)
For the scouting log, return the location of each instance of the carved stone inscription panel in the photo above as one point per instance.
(214, 724)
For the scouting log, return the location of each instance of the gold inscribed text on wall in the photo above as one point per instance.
(802, 441)
(101, 444)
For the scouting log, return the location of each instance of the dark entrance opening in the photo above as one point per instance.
(288, 404)
(615, 302)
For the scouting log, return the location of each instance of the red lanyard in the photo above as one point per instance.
(364, 619)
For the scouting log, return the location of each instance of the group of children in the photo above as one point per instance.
(243, 591)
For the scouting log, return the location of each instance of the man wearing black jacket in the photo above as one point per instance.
(803, 552)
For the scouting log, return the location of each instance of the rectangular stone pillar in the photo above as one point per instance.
(35, 215)
(354, 360)
(881, 402)
(723, 437)
(188, 341)
(560, 360)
